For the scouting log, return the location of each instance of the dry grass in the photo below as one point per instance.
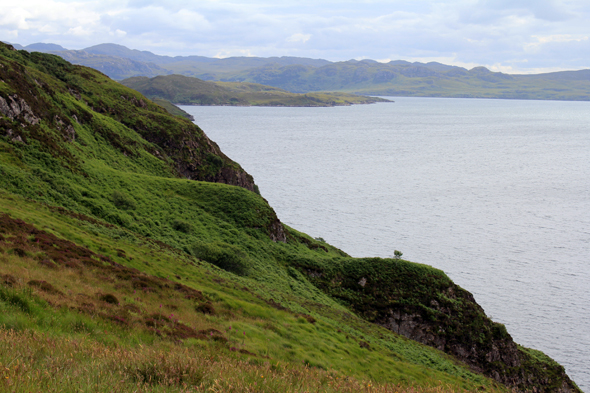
(34, 362)
(86, 336)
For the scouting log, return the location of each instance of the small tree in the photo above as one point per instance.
(397, 254)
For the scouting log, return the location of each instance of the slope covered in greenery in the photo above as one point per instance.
(193, 91)
(135, 255)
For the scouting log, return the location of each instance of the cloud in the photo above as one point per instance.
(303, 38)
(557, 38)
(506, 34)
(233, 53)
(14, 18)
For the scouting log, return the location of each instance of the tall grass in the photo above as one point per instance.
(32, 362)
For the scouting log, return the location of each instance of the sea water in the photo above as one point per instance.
(496, 193)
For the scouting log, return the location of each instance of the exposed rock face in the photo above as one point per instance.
(495, 355)
(235, 178)
(14, 107)
(423, 304)
(196, 157)
(277, 231)
(413, 326)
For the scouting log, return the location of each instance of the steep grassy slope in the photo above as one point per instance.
(117, 258)
(130, 125)
(173, 109)
(193, 91)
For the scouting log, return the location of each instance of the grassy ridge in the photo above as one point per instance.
(158, 309)
(104, 238)
(193, 91)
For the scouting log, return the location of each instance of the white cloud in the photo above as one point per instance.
(10, 34)
(506, 34)
(303, 38)
(15, 18)
(560, 38)
(79, 31)
(539, 41)
(234, 53)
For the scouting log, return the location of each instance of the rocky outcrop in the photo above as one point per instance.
(485, 345)
(423, 304)
(277, 231)
(15, 107)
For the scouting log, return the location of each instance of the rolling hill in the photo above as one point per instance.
(193, 91)
(366, 77)
(135, 255)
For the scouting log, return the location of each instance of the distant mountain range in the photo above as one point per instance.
(302, 75)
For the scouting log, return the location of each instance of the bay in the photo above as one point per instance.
(496, 193)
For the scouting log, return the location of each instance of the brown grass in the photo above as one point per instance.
(33, 362)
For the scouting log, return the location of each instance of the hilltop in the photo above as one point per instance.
(135, 255)
(193, 91)
(365, 77)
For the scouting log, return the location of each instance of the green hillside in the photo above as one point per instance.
(193, 91)
(136, 256)
(366, 77)
(402, 78)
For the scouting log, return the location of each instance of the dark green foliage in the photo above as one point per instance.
(17, 298)
(205, 308)
(182, 226)
(226, 256)
(44, 286)
(123, 201)
(109, 298)
(499, 331)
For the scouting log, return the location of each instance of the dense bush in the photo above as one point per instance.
(123, 201)
(182, 226)
(223, 255)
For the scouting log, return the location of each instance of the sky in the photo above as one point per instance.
(512, 36)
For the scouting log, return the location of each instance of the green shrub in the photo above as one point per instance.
(182, 226)
(109, 298)
(226, 256)
(499, 331)
(123, 201)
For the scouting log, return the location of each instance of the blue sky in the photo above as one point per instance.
(513, 36)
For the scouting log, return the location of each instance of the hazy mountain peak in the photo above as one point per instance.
(44, 47)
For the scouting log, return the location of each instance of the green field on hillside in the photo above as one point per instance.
(136, 256)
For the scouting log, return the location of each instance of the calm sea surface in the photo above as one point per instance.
(494, 192)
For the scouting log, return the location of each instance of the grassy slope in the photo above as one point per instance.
(271, 334)
(173, 109)
(192, 91)
(138, 230)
